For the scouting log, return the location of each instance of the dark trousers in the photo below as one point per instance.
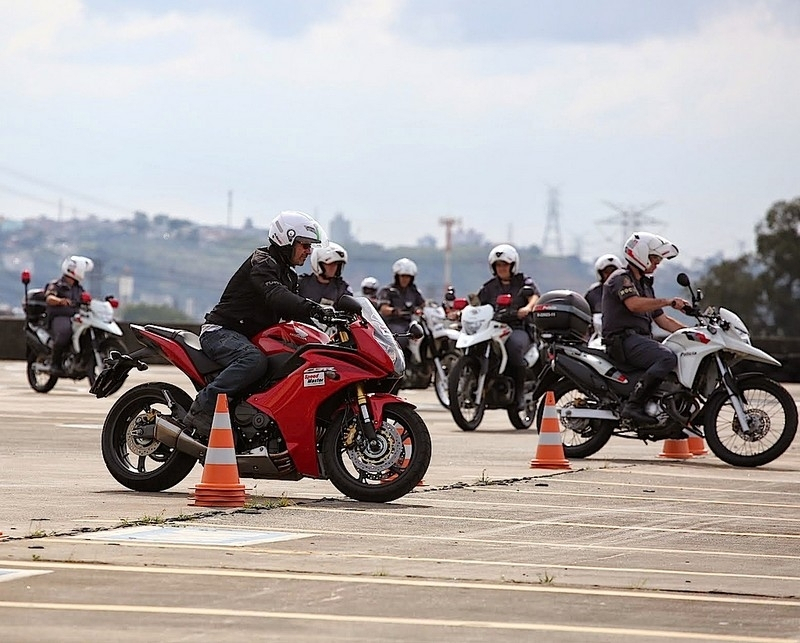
(645, 353)
(61, 332)
(517, 344)
(244, 364)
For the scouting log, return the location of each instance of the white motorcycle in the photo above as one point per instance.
(478, 379)
(746, 418)
(95, 334)
(433, 352)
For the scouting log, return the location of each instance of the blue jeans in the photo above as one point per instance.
(244, 364)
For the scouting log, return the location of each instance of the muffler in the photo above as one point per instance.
(175, 436)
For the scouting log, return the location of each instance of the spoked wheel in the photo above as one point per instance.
(38, 371)
(771, 424)
(108, 345)
(140, 463)
(581, 437)
(463, 390)
(440, 384)
(382, 472)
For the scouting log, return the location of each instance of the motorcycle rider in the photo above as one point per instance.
(62, 296)
(397, 301)
(259, 294)
(504, 262)
(629, 306)
(604, 266)
(369, 289)
(325, 284)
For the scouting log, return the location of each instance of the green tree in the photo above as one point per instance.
(154, 314)
(778, 248)
(737, 285)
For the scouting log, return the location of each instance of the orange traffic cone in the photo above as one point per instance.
(550, 451)
(676, 449)
(697, 445)
(220, 486)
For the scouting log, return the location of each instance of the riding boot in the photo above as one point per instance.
(633, 407)
(57, 362)
(518, 376)
(199, 418)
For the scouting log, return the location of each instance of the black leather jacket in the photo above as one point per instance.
(261, 293)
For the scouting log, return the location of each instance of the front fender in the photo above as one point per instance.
(378, 401)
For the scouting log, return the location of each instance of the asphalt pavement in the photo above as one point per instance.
(623, 546)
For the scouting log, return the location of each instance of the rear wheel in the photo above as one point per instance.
(136, 462)
(463, 390)
(38, 371)
(581, 437)
(382, 472)
(771, 424)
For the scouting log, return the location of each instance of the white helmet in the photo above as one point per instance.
(606, 261)
(76, 267)
(369, 285)
(640, 245)
(504, 252)
(404, 266)
(292, 225)
(332, 253)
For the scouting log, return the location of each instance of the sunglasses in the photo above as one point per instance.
(304, 245)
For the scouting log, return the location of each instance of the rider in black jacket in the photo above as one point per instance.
(262, 292)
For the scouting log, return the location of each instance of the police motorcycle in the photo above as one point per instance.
(478, 379)
(432, 349)
(95, 334)
(747, 419)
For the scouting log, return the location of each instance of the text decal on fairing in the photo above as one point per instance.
(314, 377)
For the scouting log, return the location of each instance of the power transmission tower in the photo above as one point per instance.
(448, 223)
(552, 225)
(631, 219)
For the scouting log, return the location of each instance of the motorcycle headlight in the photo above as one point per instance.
(470, 327)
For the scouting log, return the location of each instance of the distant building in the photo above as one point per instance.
(339, 230)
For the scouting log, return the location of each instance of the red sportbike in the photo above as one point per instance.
(325, 410)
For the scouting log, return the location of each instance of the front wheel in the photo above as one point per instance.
(440, 379)
(581, 437)
(136, 462)
(38, 372)
(771, 423)
(463, 381)
(523, 419)
(382, 472)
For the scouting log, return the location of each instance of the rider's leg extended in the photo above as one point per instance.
(244, 364)
(517, 345)
(644, 352)
(61, 332)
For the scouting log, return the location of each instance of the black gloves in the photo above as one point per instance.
(320, 313)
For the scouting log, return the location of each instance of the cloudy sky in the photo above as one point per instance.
(399, 112)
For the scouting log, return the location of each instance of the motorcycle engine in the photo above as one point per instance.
(257, 429)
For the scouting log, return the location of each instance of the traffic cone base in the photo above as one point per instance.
(697, 445)
(676, 449)
(220, 486)
(550, 450)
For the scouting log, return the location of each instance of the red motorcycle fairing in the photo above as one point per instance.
(288, 335)
(175, 354)
(293, 401)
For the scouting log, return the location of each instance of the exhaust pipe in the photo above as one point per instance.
(175, 436)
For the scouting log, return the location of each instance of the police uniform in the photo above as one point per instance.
(326, 294)
(60, 317)
(594, 297)
(404, 301)
(627, 335)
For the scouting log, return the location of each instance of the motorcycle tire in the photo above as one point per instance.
(771, 413)
(580, 437)
(106, 346)
(383, 474)
(440, 384)
(137, 463)
(523, 419)
(39, 381)
(463, 389)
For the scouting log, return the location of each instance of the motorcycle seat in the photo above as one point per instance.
(191, 344)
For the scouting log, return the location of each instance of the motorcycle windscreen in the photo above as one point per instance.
(383, 335)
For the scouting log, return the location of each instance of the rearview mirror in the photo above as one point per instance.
(683, 280)
(415, 330)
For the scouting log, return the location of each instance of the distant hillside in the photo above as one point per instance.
(174, 262)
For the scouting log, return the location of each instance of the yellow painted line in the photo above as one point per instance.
(498, 504)
(410, 582)
(255, 549)
(384, 620)
(545, 523)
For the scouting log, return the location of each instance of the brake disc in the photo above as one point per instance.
(138, 445)
(386, 453)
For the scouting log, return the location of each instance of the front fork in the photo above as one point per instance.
(734, 394)
(484, 372)
(365, 417)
